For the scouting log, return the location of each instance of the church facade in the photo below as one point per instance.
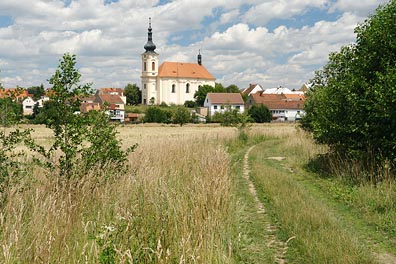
(170, 82)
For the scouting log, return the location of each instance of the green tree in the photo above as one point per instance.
(232, 89)
(36, 91)
(156, 114)
(201, 93)
(133, 94)
(82, 142)
(351, 106)
(260, 113)
(190, 104)
(181, 115)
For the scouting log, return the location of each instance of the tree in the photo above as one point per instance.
(82, 142)
(190, 104)
(133, 94)
(181, 115)
(260, 113)
(232, 89)
(351, 106)
(201, 93)
(37, 91)
(156, 114)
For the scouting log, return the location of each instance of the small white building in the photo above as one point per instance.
(252, 89)
(28, 105)
(220, 102)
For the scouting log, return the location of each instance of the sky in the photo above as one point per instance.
(268, 42)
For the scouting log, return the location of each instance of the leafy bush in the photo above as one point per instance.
(155, 114)
(260, 113)
(351, 106)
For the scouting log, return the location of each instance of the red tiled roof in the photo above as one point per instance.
(109, 98)
(225, 98)
(248, 90)
(184, 70)
(277, 101)
(119, 91)
(86, 107)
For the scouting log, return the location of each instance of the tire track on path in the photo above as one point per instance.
(273, 242)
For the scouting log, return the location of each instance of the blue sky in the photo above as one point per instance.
(273, 43)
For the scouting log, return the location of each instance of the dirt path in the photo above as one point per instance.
(273, 242)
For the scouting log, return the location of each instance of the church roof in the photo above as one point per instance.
(184, 70)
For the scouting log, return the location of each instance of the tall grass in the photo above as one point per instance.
(174, 206)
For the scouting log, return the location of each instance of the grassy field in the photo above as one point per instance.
(184, 200)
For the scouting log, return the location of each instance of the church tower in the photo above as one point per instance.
(149, 70)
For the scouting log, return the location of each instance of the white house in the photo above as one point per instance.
(252, 89)
(115, 107)
(220, 102)
(171, 82)
(28, 105)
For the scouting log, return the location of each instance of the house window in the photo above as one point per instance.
(215, 107)
(222, 107)
(153, 66)
(173, 88)
(207, 100)
(144, 66)
(238, 107)
(187, 88)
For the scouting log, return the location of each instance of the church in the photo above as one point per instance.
(170, 82)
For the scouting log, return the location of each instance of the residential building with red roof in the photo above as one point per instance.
(220, 102)
(252, 89)
(284, 107)
(115, 106)
(171, 82)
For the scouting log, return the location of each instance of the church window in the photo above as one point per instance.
(153, 66)
(144, 86)
(187, 88)
(145, 66)
(173, 88)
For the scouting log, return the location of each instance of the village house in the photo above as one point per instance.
(220, 102)
(171, 82)
(284, 107)
(252, 89)
(114, 101)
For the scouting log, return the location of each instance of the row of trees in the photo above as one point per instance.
(181, 115)
(352, 104)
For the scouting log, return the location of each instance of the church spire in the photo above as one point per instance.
(199, 57)
(150, 46)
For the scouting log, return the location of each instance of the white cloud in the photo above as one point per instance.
(108, 39)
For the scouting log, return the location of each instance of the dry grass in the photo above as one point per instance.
(175, 205)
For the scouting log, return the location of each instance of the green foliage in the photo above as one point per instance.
(351, 107)
(260, 113)
(181, 115)
(155, 114)
(201, 93)
(230, 117)
(36, 91)
(11, 168)
(232, 89)
(82, 142)
(190, 104)
(133, 94)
